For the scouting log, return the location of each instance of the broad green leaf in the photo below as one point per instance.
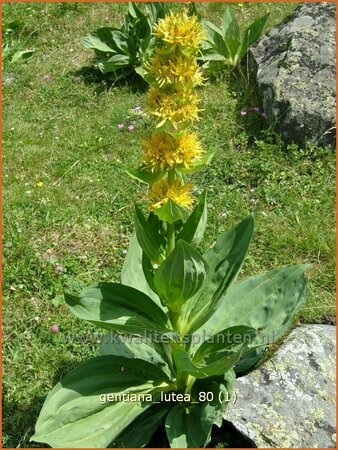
(217, 40)
(180, 276)
(74, 414)
(224, 349)
(232, 36)
(134, 11)
(252, 34)
(149, 238)
(144, 175)
(225, 260)
(139, 433)
(226, 21)
(221, 388)
(266, 302)
(22, 55)
(148, 78)
(248, 360)
(143, 28)
(100, 40)
(193, 229)
(122, 42)
(209, 54)
(204, 160)
(184, 364)
(116, 62)
(148, 271)
(216, 356)
(132, 271)
(134, 348)
(157, 10)
(113, 306)
(185, 429)
(170, 212)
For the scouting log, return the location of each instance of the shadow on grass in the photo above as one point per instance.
(105, 82)
(19, 418)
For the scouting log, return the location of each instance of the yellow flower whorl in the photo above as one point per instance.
(164, 151)
(174, 107)
(161, 192)
(177, 28)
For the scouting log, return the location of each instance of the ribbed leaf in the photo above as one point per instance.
(113, 306)
(184, 364)
(225, 260)
(185, 428)
(100, 40)
(222, 389)
(74, 415)
(134, 348)
(266, 302)
(248, 360)
(132, 272)
(180, 276)
(142, 173)
(170, 212)
(216, 39)
(216, 356)
(193, 229)
(226, 21)
(139, 433)
(232, 36)
(224, 349)
(116, 62)
(206, 157)
(252, 34)
(148, 237)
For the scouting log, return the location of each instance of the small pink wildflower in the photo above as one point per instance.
(243, 113)
(256, 109)
(131, 127)
(120, 126)
(264, 114)
(54, 329)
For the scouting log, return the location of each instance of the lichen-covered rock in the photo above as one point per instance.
(295, 69)
(289, 401)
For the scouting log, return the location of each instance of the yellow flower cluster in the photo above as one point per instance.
(162, 191)
(174, 70)
(177, 28)
(164, 151)
(173, 107)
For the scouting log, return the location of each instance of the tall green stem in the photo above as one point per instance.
(171, 227)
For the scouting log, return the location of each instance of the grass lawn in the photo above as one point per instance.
(68, 204)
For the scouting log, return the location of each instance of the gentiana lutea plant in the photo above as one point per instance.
(179, 328)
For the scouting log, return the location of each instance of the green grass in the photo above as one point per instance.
(60, 128)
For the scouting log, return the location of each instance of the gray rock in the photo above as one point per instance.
(295, 69)
(289, 401)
